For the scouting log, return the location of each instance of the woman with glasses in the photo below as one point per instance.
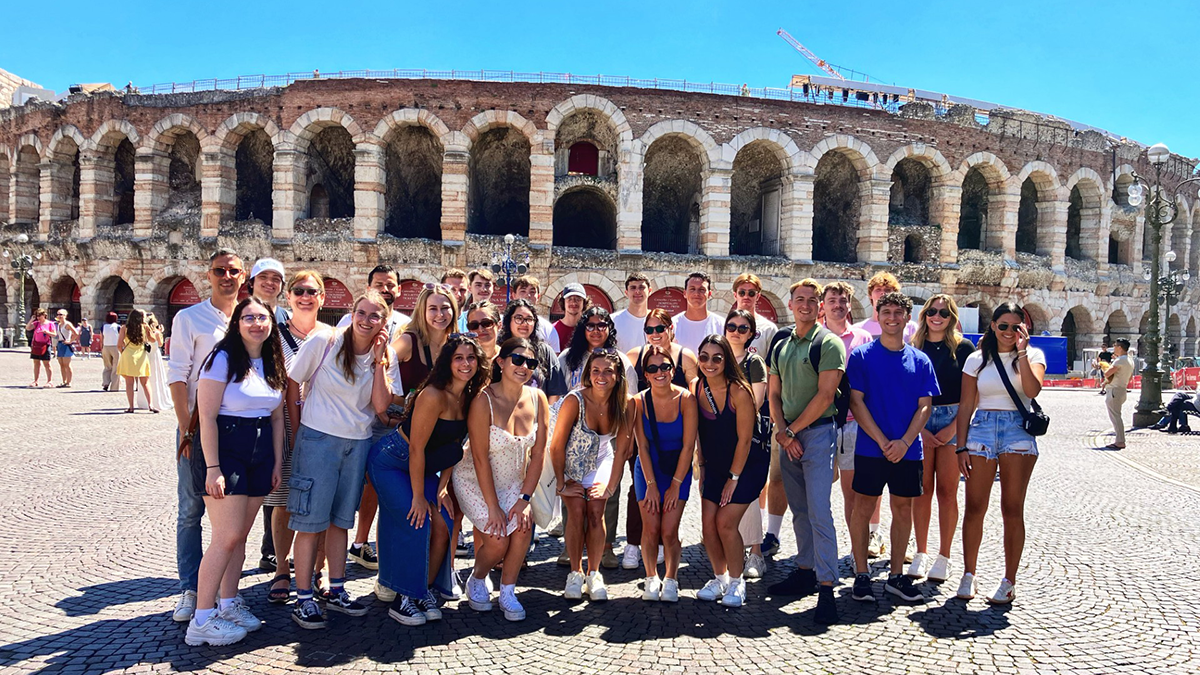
(595, 330)
(347, 374)
(938, 336)
(412, 469)
(483, 319)
(134, 364)
(992, 426)
(740, 328)
(521, 320)
(732, 477)
(240, 405)
(495, 483)
(662, 472)
(591, 438)
(660, 332)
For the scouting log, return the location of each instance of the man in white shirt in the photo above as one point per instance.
(1116, 382)
(456, 280)
(194, 333)
(696, 322)
(110, 352)
(631, 321)
(528, 287)
(881, 284)
(386, 280)
(747, 288)
(481, 284)
(575, 302)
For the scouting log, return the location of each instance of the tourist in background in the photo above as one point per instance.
(110, 351)
(575, 301)
(1116, 386)
(384, 280)
(747, 289)
(85, 338)
(157, 394)
(134, 364)
(521, 320)
(66, 338)
(630, 321)
(695, 323)
(456, 280)
(41, 344)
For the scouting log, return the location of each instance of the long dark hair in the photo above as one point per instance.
(750, 319)
(509, 346)
(732, 370)
(579, 345)
(618, 400)
(274, 372)
(988, 344)
(441, 374)
(134, 327)
(506, 324)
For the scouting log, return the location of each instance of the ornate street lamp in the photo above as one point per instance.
(22, 263)
(1160, 211)
(504, 263)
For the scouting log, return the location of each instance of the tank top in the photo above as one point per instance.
(412, 371)
(666, 446)
(717, 433)
(444, 448)
(678, 377)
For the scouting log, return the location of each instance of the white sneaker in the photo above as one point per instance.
(216, 631)
(875, 545)
(456, 589)
(478, 595)
(917, 569)
(240, 614)
(653, 592)
(1004, 594)
(574, 589)
(383, 593)
(966, 587)
(595, 587)
(513, 611)
(185, 609)
(735, 595)
(754, 566)
(940, 570)
(632, 558)
(670, 590)
(487, 581)
(662, 556)
(712, 591)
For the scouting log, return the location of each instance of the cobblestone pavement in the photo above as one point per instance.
(87, 578)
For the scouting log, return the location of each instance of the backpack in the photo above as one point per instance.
(841, 399)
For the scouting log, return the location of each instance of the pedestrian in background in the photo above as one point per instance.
(66, 337)
(110, 352)
(134, 363)
(85, 338)
(40, 344)
(1116, 383)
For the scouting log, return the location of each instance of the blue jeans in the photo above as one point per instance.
(941, 417)
(188, 547)
(997, 432)
(807, 483)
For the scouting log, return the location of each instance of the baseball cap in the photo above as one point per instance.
(574, 290)
(267, 265)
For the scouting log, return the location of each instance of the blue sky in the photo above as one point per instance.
(1131, 68)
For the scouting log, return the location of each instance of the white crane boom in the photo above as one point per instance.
(820, 63)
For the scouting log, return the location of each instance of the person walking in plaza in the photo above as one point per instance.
(696, 323)
(134, 364)
(521, 320)
(346, 375)
(1116, 387)
(507, 426)
(412, 469)
(240, 403)
(658, 331)
(85, 338)
(733, 471)
(527, 287)
(591, 438)
(992, 426)
(66, 339)
(575, 302)
(747, 290)
(630, 321)
(892, 385)
(801, 395)
(110, 351)
(939, 338)
(41, 344)
(156, 395)
(662, 470)
(194, 332)
(740, 329)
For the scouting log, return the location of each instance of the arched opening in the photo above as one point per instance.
(913, 252)
(1114, 251)
(331, 166)
(585, 144)
(973, 210)
(1194, 251)
(1036, 318)
(254, 163)
(671, 188)
(3, 306)
(124, 169)
(836, 198)
(183, 172)
(499, 168)
(911, 188)
(413, 162)
(1070, 332)
(65, 295)
(25, 194)
(1074, 225)
(587, 218)
(583, 159)
(595, 294)
(1180, 229)
(318, 202)
(338, 301)
(183, 295)
(65, 173)
(1173, 339)
(5, 180)
(1121, 189)
(114, 295)
(1189, 340)
(755, 198)
(1027, 218)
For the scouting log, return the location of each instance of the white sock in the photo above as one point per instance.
(225, 603)
(874, 528)
(774, 524)
(762, 514)
(202, 616)
(724, 578)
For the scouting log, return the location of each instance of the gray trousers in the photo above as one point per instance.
(1113, 400)
(808, 483)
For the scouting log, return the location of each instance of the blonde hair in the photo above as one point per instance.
(952, 338)
(885, 279)
(307, 275)
(418, 325)
(808, 283)
(747, 278)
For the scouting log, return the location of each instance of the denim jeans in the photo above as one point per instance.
(188, 547)
(807, 483)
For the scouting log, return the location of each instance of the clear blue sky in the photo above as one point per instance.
(1095, 62)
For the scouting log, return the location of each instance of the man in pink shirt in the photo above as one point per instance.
(877, 287)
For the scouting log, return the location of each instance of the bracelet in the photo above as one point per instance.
(677, 480)
(961, 450)
(217, 467)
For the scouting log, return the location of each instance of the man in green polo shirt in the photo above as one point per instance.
(801, 397)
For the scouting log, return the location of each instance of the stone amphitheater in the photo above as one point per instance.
(124, 194)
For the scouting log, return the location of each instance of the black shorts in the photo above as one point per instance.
(247, 455)
(903, 479)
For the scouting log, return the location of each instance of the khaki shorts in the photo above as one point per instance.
(774, 474)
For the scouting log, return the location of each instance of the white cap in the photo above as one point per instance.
(267, 265)
(574, 290)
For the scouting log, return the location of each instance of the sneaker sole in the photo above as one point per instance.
(863, 598)
(902, 596)
(666, 599)
(348, 612)
(573, 596)
(651, 597)
(407, 620)
(933, 578)
(732, 603)
(179, 618)
(514, 616)
(627, 566)
(196, 642)
(993, 601)
(602, 596)
(308, 625)
(365, 563)
(964, 597)
(479, 606)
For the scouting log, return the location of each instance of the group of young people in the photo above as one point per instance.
(464, 409)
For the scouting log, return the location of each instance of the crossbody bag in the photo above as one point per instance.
(1034, 421)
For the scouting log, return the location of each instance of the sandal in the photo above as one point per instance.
(280, 596)
(129, 410)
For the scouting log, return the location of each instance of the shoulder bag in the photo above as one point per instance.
(1035, 422)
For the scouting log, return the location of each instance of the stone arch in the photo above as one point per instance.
(1173, 340)
(762, 161)
(928, 156)
(1181, 230)
(173, 157)
(500, 146)
(1085, 216)
(984, 180)
(413, 152)
(230, 133)
(24, 202)
(162, 136)
(590, 145)
(1123, 178)
(859, 153)
(496, 119)
(65, 294)
(585, 216)
(246, 144)
(325, 141)
(691, 132)
(1117, 325)
(113, 293)
(309, 125)
(1189, 341)
(843, 167)
(113, 146)
(63, 153)
(1077, 327)
(675, 166)
(599, 104)
(1040, 186)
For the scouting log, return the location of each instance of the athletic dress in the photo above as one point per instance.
(508, 456)
(678, 377)
(664, 451)
(718, 437)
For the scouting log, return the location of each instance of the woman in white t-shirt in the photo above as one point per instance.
(992, 426)
(240, 404)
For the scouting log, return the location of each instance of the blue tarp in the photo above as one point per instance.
(1055, 349)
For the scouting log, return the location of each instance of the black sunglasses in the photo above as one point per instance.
(943, 312)
(305, 291)
(1005, 327)
(734, 328)
(483, 323)
(651, 330)
(522, 360)
(716, 358)
(654, 368)
(226, 271)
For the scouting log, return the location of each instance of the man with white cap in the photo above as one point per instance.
(575, 301)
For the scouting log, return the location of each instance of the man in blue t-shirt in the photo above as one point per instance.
(892, 385)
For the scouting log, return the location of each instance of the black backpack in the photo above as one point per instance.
(841, 400)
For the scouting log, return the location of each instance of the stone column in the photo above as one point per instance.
(1139, 240)
(455, 186)
(541, 192)
(288, 198)
(945, 204)
(1052, 231)
(629, 198)
(874, 197)
(54, 193)
(1001, 233)
(1095, 238)
(715, 212)
(369, 179)
(151, 188)
(95, 192)
(218, 190)
(796, 216)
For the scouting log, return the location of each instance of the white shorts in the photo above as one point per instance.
(604, 465)
(847, 439)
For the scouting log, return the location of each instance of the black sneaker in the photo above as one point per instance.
(268, 563)
(862, 589)
(429, 606)
(307, 614)
(800, 582)
(407, 612)
(342, 602)
(902, 587)
(770, 545)
(826, 607)
(364, 555)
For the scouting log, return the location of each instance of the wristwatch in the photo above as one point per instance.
(960, 449)
(734, 476)
(526, 497)
(787, 431)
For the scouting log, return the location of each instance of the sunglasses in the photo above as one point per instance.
(227, 271)
(483, 323)
(441, 288)
(715, 358)
(943, 312)
(747, 293)
(651, 330)
(519, 360)
(593, 327)
(734, 328)
(654, 368)
(463, 336)
(299, 292)
(1005, 327)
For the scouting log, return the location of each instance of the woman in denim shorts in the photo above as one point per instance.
(997, 440)
(938, 336)
(240, 404)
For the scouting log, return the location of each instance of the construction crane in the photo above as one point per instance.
(820, 63)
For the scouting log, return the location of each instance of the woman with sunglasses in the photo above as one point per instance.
(731, 476)
(938, 336)
(412, 478)
(240, 405)
(521, 320)
(495, 483)
(740, 328)
(595, 330)
(662, 471)
(306, 296)
(591, 439)
(483, 319)
(992, 426)
(660, 332)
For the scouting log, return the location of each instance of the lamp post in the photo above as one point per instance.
(22, 263)
(504, 263)
(1171, 282)
(1160, 211)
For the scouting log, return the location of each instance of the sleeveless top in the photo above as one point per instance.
(678, 377)
(412, 371)
(668, 444)
(444, 448)
(717, 433)
(584, 445)
(508, 456)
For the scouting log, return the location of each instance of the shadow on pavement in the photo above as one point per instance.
(100, 596)
(955, 619)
